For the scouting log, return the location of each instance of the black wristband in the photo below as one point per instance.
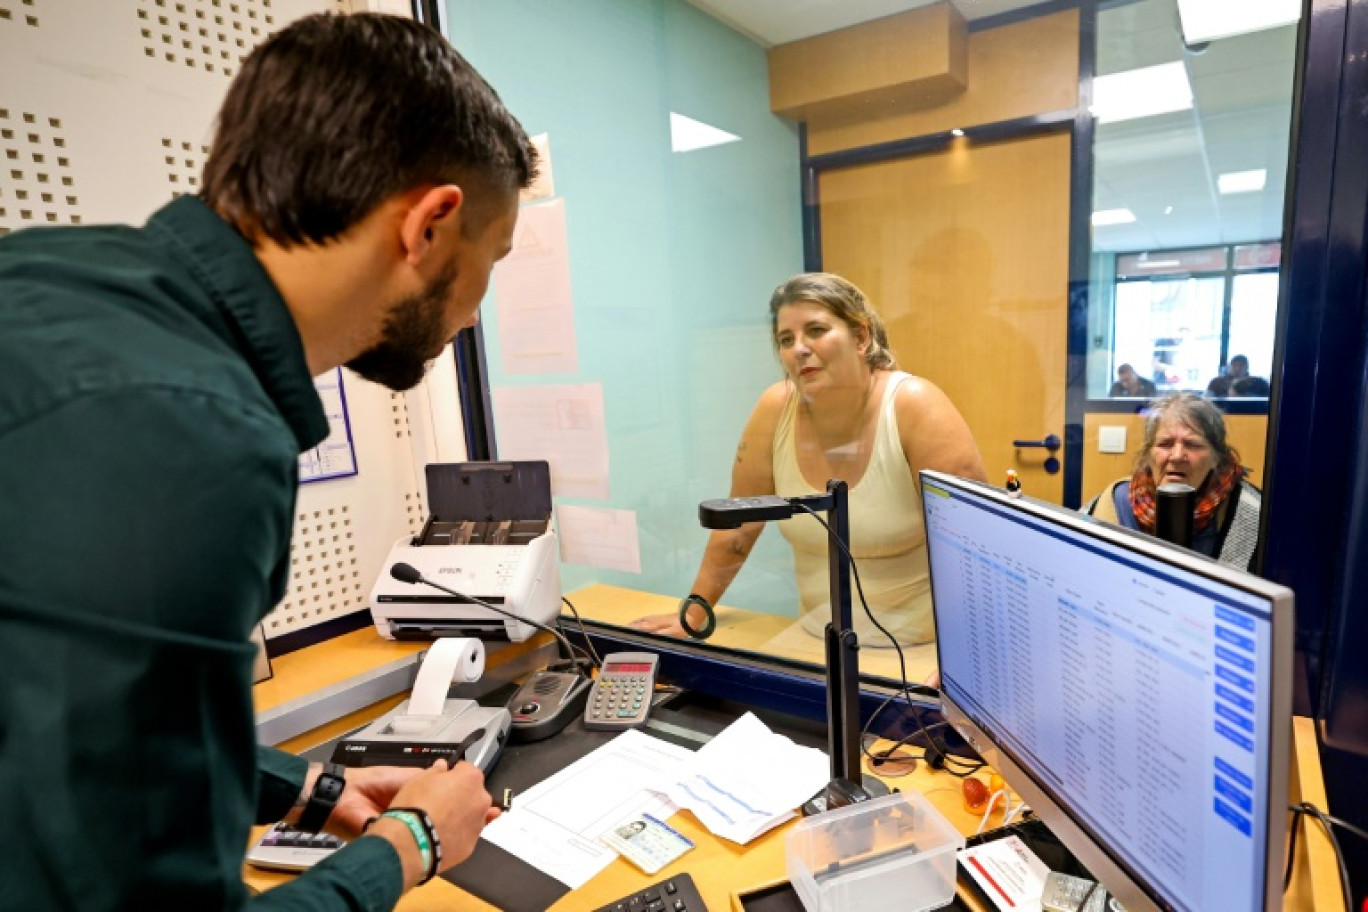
(327, 789)
(709, 625)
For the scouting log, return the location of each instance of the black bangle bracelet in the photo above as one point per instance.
(693, 598)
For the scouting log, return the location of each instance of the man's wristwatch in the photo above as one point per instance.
(327, 789)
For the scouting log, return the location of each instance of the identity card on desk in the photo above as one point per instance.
(555, 825)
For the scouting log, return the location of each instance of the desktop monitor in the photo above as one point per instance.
(1137, 695)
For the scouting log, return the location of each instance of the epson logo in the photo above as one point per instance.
(448, 569)
(354, 747)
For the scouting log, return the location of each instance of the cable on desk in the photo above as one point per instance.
(1083, 903)
(936, 755)
(1328, 823)
(1007, 809)
(593, 655)
(888, 753)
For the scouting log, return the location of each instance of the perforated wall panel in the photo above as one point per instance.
(214, 35)
(23, 12)
(106, 114)
(39, 186)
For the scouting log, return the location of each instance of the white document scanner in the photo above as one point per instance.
(488, 537)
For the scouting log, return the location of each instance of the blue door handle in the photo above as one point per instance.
(1051, 443)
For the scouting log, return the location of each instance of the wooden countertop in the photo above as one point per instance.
(752, 631)
(720, 868)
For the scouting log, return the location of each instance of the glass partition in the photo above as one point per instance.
(1190, 166)
(702, 154)
(1195, 321)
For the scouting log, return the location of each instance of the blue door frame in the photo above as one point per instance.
(1315, 517)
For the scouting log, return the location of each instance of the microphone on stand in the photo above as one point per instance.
(407, 573)
(1174, 506)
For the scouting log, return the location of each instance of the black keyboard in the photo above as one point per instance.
(677, 894)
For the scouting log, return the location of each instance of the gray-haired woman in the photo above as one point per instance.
(1185, 441)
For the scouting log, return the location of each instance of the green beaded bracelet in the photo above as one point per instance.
(420, 836)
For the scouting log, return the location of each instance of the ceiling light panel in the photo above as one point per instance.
(1103, 217)
(687, 134)
(1209, 20)
(1242, 181)
(1142, 93)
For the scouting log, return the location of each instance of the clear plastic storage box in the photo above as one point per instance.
(894, 852)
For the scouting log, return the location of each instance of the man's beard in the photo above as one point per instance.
(414, 335)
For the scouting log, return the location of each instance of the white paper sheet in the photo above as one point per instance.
(748, 779)
(532, 288)
(599, 538)
(554, 826)
(544, 187)
(1009, 873)
(561, 424)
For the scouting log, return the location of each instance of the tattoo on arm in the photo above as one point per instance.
(736, 547)
(740, 450)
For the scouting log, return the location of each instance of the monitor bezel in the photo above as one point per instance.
(1090, 849)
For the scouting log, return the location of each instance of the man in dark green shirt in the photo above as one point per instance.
(155, 391)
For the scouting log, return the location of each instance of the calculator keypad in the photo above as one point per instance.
(620, 700)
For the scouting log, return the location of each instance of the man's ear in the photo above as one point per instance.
(437, 209)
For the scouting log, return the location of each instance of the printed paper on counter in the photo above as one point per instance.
(563, 425)
(532, 288)
(599, 538)
(1008, 872)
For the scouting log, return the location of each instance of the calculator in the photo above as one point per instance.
(1065, 893)
(621, 695)
(284, 848)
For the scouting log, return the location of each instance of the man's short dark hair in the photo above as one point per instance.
(334, 114)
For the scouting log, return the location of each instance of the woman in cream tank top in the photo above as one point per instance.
(887, 539)
(843, 410)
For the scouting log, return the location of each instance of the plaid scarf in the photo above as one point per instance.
(1210, 496)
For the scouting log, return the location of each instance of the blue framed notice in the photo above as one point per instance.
(336, 456)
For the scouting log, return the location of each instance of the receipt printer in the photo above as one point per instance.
(430, 725)
(489, 537)
(464, 730)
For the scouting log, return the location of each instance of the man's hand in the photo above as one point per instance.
(370, 790)
(455, 799)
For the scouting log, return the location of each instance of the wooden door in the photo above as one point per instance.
(965, 254)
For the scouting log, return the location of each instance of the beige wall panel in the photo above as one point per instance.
(1014, 71)
(964, 253)
(1247, 433)
(915, 58)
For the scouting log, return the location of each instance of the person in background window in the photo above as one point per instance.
(1185, 441)
(1131, 385)
(845, 411)
(1161, 364)
(1236, 370)
(362, 183)
(1252, 387)
(1236, 381)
